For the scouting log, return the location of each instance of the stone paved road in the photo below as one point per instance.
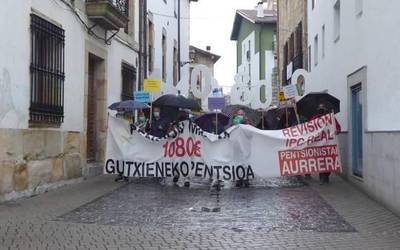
(101, 214)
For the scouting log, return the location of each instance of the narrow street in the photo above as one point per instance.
(101, 214)
(199, 124)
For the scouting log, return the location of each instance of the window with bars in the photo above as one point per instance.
(47, 72)
(128, 82)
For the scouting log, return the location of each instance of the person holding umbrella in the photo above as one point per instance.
(157, 126)
(321, 111)
(240, 118)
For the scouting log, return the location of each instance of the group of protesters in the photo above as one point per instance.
(160, 125)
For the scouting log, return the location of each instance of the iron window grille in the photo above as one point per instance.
(47, 72)
(128, 82)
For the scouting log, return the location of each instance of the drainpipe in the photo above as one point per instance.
(140, 71)
(179, 40)
(145, 39)
(142, 42)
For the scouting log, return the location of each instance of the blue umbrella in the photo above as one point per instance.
(128, 105)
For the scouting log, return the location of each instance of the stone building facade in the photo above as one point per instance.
(62, 64)
(292, 38)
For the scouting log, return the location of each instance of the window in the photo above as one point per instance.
(150, 50)
(164, 57)
(175, 65)
(129, 10)
(323, 41)
(309, 58)
(299, 39)
(128, 82)
(313, 3)
(336, 21)
(291, 48)
(316, 50)
(47, 72)
(359, 7)
(298, 59)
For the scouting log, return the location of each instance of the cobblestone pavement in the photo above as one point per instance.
(102, 214)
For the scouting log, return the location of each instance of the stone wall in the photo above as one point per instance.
(290, 14)
(31, 158)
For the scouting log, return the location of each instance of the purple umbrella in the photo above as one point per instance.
(204, 122)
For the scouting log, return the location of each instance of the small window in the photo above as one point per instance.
(316, 50)
(359, 7)
(336, 21)
(47, 72)
(128, 82)
(323, 41)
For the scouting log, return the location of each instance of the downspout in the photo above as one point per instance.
(278, 45)
(179, 40)
(261, 52)
(145, 39)
(140, 79)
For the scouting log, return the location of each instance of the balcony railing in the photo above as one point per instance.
(110, 14)
(121, 5)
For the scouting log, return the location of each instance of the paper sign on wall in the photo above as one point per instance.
(289, 91)
(152, 85)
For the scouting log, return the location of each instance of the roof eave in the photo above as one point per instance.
(236, 24)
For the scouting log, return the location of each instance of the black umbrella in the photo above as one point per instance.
(176, 101)
(308, 105)
(275, 118)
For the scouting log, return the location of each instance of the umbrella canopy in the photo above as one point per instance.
(205, 119)
(308, 105)
(205, 122)
(251, 114)
(128, 105)
(177, 101)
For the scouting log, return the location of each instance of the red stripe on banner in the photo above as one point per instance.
(310, 160)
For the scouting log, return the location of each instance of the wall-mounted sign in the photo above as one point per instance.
(152, 85)
(141, 96)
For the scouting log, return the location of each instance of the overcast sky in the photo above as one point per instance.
(211, 24)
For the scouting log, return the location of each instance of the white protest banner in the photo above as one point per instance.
(240, 152)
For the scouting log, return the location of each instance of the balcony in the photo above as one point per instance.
(109, 14)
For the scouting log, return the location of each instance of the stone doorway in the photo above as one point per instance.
(96, 110)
